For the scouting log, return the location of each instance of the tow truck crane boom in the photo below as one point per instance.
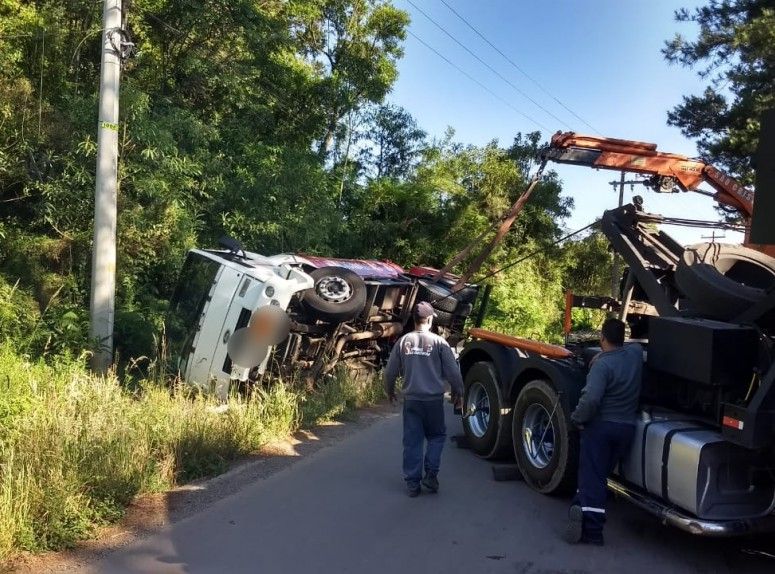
(668, 170)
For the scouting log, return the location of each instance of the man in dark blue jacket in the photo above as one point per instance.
(606, 414)
(425, 361)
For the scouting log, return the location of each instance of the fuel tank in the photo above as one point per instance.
(690, 465)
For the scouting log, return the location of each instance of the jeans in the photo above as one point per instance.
(603, 445)
(423, 421)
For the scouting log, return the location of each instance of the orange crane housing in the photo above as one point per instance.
(668, 170)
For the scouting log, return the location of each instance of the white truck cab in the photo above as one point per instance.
(217, 294)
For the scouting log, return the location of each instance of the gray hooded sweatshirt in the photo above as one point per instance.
(612, 392)
(425, 360)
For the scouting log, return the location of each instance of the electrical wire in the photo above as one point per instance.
(470, 77)
(518, 68)
(537, 251)
(488, 66)
(521, 259)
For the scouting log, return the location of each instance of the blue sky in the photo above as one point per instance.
(600, 58)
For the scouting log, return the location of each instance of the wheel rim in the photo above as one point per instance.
(334, 289)
(478, 404)
(538, 435)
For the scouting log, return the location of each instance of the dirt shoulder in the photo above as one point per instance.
(150, 513)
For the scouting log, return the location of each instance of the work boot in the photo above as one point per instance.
(574, 531)
(431, 482)
(412, 490)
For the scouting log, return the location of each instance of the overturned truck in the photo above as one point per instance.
(334, 312)
(704, 454)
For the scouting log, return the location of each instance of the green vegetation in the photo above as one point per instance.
(265, 121)
(76, 449)
(734, 51)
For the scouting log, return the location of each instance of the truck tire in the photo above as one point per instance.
(437, 295)
(488, 427)
(443, 319)
(721, 281)
(467, 294)
(464, 309)
(337, 295)
(549, 465)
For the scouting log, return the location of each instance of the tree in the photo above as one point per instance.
(393, 142)
(222, 111)
(735, 49)
(353, 46)
(588, 265)
(548, 208)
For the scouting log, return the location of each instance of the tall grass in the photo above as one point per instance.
(76, 449)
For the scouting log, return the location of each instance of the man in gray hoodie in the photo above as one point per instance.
(606, 415)
(425, 361)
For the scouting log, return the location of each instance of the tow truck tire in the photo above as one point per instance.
(721, 281)
(488, 428)
(338, 294)
(548, 466)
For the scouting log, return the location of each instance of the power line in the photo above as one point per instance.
(488, 66)
(523, 72)
(536, 252)
(470, 77)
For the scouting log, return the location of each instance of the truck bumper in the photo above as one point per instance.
(674, 517)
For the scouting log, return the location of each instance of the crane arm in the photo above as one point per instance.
(668, 170)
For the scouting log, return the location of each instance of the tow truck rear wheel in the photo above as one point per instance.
(545, 449)
(486, 425)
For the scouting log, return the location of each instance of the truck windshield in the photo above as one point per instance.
(183, 318)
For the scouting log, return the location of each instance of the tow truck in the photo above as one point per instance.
(703, 458)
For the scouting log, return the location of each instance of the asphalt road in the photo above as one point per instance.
(343, 510)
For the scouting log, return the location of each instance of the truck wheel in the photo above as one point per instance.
(546, 453)
(464, 310)
(337, 295)
(721, 281)
(487, 427)
(467, 294)
(437, 295)
(443, 319)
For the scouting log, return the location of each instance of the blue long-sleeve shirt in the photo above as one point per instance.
(612, 392)
(426, 361)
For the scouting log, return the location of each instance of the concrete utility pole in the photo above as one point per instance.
(616, 272)
(103, 280)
